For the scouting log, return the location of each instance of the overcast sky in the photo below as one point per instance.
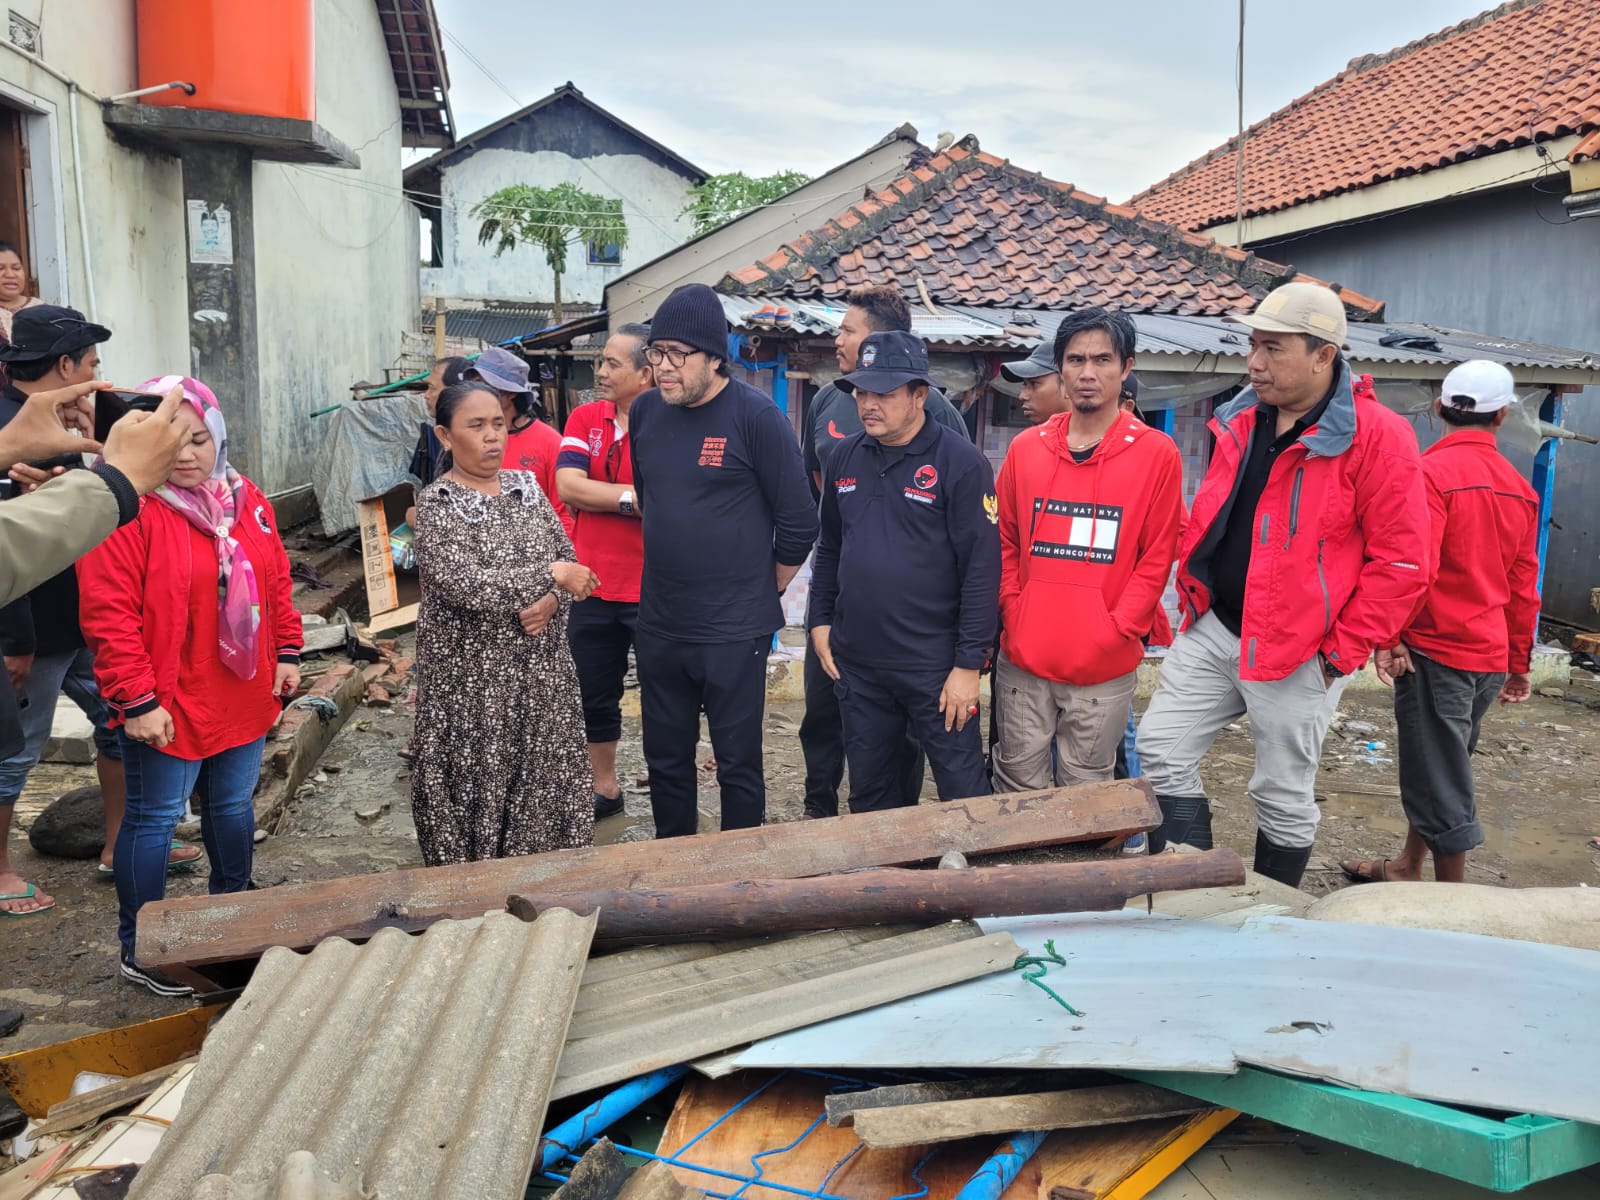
(1110, 96)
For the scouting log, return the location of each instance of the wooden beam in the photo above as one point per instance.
(78, 1111)
(206, 929)
(1077, 1108)
(842, 1107)
(886, 896)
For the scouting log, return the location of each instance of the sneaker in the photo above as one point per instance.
(606, 806)
(161, 985)
(1139, 843)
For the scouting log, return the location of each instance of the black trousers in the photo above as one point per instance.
(1439, 711)
(877, 705)
(600, 633)
(728, 682)
(822, 744)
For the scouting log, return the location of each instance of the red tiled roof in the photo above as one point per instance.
(1588, 148)
(975, 230)
(1524, 72)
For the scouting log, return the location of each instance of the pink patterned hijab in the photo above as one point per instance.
(214, 507)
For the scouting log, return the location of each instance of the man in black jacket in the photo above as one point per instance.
(905, 588)
(727, 521)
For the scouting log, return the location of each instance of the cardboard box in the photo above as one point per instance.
(392, 593)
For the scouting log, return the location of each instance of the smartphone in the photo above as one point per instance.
(111, 406)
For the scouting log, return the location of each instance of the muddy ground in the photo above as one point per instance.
(1539, 806)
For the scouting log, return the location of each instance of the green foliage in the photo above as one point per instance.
(723, 197)
(552, 218)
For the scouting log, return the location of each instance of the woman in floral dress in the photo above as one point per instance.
(501, 767)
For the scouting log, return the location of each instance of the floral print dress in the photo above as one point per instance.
(501, 766)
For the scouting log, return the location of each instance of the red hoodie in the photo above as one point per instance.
(535, 447)
(1086, 548)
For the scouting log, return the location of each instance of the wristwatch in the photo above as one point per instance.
(1328, 668)
(625, 503)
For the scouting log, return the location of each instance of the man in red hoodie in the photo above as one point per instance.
(1091, 503)
(1476, 623)
(1307, 547)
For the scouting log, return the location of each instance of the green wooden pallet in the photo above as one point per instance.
(1503, 1154)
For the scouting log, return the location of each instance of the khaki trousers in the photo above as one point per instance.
(1083, 723)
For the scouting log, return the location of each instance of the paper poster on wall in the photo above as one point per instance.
(210, 234)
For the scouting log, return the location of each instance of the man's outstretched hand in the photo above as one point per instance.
(60, 421)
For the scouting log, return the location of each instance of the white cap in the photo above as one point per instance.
(1478, 386)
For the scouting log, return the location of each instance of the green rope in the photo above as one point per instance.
(1033, 967)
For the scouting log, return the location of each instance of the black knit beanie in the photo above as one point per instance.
(692, 315)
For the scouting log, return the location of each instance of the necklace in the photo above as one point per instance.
(1086, 445)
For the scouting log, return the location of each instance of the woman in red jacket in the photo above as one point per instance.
(189, 613)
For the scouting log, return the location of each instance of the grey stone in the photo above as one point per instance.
(74, 826)
(75, 750)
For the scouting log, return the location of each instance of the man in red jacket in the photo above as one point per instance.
(1306, 549)
(1476, 622)
(1091, 503)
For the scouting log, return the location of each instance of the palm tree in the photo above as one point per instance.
(553, 219)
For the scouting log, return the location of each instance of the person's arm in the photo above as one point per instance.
(1155, 547)
(635, 430)
(50, 424)
(1522, 612)
(808, 446)
(111, 587)
(288, 627)
(1438, 522)
(781, 473)
(970, 520)
(825, 579)
(547, 481)
(1010, 535)
(45, 532)
(449, 563)
(1392, 517)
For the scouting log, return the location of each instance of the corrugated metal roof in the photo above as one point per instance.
(496, 323)
(418, 1065)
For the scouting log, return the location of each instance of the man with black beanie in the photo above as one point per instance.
(728, 520)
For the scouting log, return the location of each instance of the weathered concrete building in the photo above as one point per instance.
(272, 255)
(563, 138)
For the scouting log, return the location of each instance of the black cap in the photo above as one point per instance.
(1130, 388)
(888, 361)
(1037, 365)
(49, 331)
(692, 315)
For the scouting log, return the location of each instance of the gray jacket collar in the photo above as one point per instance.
(1332, 434)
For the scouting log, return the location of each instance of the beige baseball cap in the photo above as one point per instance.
(1300, 308)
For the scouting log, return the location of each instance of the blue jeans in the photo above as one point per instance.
(159, 785)
(53, 674)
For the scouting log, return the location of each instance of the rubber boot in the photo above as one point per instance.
(1283, 863)
(1185, 819)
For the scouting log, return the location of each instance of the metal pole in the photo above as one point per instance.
(1238, 204)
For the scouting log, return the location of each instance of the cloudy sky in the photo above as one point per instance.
(1110, 96)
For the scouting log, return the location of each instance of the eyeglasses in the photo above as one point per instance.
(656, 355)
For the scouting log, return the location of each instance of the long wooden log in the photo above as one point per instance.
(195, 930)
(1079, 1108)
(878, 897)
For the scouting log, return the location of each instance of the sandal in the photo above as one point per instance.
(27, 895)
(1366, 870)
(173, 862)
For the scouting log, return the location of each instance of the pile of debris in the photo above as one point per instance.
(809, 1010)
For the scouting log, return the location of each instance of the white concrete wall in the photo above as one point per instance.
(336, 250)
(652, 197)
(133, 200)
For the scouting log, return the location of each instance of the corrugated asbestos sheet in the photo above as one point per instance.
(410, 1066)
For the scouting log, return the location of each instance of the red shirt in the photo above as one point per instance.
(609, 544)
(536, 449)
(1481, 609)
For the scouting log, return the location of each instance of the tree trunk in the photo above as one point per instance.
(557, 320)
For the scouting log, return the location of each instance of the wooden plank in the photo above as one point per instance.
(709, 982)
(883, 896)
(764, 1011)
(1092, 1161)
(1503, 1155)
(1586, 643)
(1075, 1108)
(78, 1111)
(740, 958)
(42, 1077)
(842, 1107)
(207, 929)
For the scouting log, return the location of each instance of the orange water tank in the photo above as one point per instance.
(244, 56)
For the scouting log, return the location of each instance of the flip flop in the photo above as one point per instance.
(1376, 870)
(173, 864)
(27, 895)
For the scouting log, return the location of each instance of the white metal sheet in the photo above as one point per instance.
(1442, 1016)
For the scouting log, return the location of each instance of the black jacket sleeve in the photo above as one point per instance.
(825, 566)
(783, 483)
(971, 521)
(808, 445)
(635, 428)
(944, 411)
(17, 638)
